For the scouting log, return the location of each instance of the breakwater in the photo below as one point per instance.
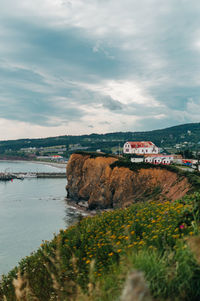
(23, 175)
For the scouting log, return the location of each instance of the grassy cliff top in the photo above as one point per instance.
(193, 177)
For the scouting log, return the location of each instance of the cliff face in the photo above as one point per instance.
(93, 180)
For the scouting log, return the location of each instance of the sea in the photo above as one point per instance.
(31, 211)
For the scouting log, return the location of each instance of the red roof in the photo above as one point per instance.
(138, 144)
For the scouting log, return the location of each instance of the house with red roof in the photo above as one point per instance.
(140, 148)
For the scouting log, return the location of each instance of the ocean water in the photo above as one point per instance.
(31, 211)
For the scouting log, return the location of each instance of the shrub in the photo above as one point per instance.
(105, 239)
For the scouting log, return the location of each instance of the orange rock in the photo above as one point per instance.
(93, 180)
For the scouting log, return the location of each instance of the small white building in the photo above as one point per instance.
(140, 148)
(148, 160)
(137, 160)
(159, 159)
(166, 161)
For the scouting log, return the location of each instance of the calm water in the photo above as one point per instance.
(31, 210)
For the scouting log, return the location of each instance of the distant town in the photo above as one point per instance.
(175, 145)
(148, 152)
(137, 151)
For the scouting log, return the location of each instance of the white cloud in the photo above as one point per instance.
(10, 129)
(105, 121)
(160, 116)
(126, 91)
(141, 57)
(123, 17)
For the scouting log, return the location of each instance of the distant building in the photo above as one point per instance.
(73, 147)
(159, 159)
(187, 162)
(140, 148)
(137, 160)
(56, 157)
(148, 160)
(53, 158)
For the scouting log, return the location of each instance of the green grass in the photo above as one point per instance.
(192, 177)
(95, 154)
(146, 236)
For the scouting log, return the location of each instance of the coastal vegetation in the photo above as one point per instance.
(124, 161)
(193, 177)
(182, 139)
(104, 181)
(90, 260)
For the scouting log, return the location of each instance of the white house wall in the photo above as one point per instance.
(137, 160)
(141, 151)
(127, 149)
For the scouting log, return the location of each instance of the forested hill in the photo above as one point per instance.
(168, 137)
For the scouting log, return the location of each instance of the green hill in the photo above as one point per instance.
(188, 135)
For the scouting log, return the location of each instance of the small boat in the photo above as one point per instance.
(30, 175)
(27, 175)
(20, 177)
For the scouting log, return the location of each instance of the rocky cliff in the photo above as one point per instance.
(103, 186)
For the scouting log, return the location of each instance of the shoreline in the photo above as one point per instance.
(76, 205)
(53, 164)
(85, 209)
(82, 210)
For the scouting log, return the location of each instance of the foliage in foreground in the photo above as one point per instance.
(90, 260)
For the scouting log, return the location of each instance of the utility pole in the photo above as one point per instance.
(198, 160)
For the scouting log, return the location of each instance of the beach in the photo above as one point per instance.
(53, 164)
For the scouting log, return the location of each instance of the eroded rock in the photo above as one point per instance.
(93, 180)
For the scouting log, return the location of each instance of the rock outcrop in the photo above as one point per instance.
(93, 180)
(136, 288)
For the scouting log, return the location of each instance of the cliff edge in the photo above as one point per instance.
(103, 185)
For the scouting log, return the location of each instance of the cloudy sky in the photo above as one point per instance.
(85, 66)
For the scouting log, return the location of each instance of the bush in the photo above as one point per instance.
(105, 239)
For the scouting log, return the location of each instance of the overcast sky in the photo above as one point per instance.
(97, 66)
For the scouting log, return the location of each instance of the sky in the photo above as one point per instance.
(70, 67)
